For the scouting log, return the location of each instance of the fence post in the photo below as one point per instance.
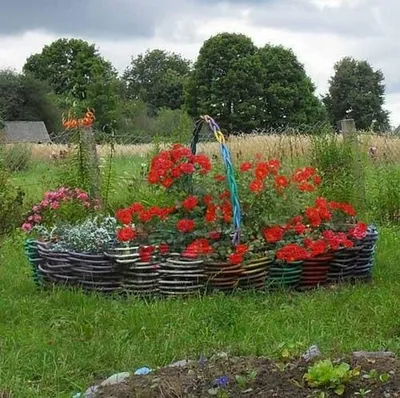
(349, 131)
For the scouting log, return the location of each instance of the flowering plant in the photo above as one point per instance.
(65, 205)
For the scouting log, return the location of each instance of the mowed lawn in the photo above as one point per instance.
(53, 343)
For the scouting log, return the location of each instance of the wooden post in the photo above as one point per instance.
(349, 131)
(94, 162)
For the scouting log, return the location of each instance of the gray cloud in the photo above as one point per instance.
(304, 16)
(94, 18)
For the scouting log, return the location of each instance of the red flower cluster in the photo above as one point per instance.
(359, 231)
(261, 171)
(146, 253)
(197, 248)
(306, 179)
(170, 165)
(274, 234)
(238, 256)
(126, 234)
(345, 208)
(126, 216)
(335, 240)
(185, 225)
(190, 203)
(292, 252)
(316, 247)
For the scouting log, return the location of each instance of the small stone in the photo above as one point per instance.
(142, 371)
(91, 392)
(180, 364)
(191, 372)
(360, 355)
(115, 379)
(311, 353)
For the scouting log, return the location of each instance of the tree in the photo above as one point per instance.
(356, 91)
(288, 93)
(157, 78)
(75, 70)
(226, 82)
(24, 98)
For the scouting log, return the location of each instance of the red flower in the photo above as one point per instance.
(163, 248)
(136, 207)
(153, 177)
(198, 247)
(187, 168)
(359, 231)
(348, 209)
(125, 234)
(145, 253)
(299, 229)
(292, 252)
(145, 216)
(296, 220)
(273, 234)
(281, 182)
(261, 171)
(219, 177)
(190, 203)
(204, 162)
(317, 247)
(211, 213)
(226, 211)
(246, 166)
(256, 186)
(317, 180)
(306, 187)
(274, 165)
(313, 216)
(241, 249)
(215, 235)
(225, 195)
(304, 174)
(235, 258)
(207, 199)
(124, 216)
(167, 182)
(185, 225)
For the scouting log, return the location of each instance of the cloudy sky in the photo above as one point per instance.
(319, 31)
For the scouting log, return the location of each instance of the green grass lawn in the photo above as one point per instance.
(56, 342)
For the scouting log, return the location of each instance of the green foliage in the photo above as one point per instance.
(335, 161)
(11, 202)
(356, 91)
(384, 198)
(245, 87)
(333, 377)
(288, 96)
(244, 381)
(17, 157)
(22, 97)
(157, 78)
(73, 68)
(226, 82)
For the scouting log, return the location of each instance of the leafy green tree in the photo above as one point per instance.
(357, 91)
(157, 78)
(246, 87)
(226, 82)
(22, 97)
(74, 69)
(288, 94)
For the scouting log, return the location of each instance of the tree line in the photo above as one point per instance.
(243, 86)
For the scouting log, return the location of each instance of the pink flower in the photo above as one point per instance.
(37, 218)
(54, 205)
(27, 227)
(86, 204)
(35, 209)
(83, 196)
(44, 203)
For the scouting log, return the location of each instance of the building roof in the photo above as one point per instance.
(26, 132)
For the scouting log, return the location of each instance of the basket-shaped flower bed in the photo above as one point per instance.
(34, 258)
(139, 274)
(181, 276)
(260, 227)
